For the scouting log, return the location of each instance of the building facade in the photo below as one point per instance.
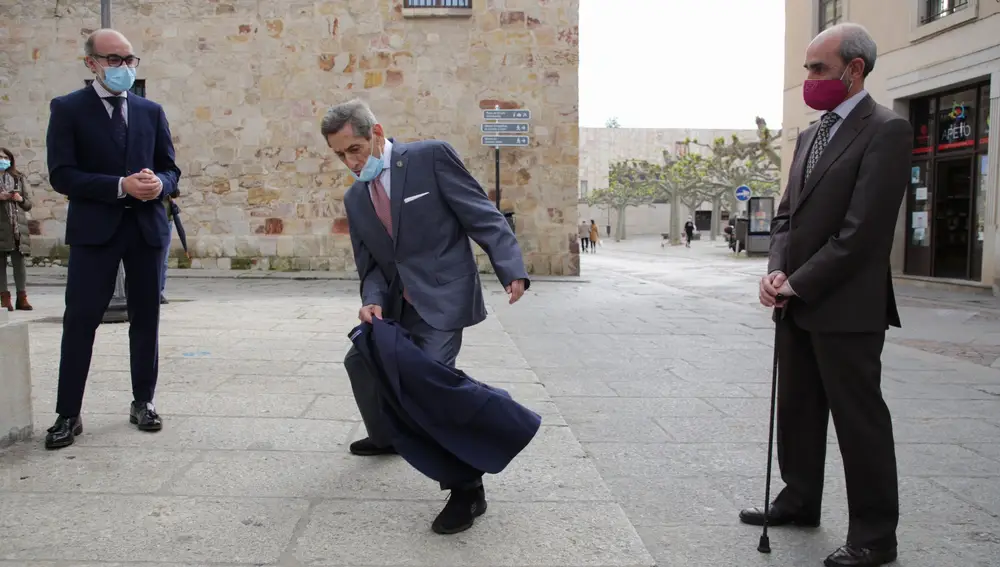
(245, 84)
(600, 147)
(939, 66)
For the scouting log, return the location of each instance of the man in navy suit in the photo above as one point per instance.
(411, 213)
(110, 153)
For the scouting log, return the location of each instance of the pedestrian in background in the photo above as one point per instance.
(594, 236)
(15, 240)
(584, 231)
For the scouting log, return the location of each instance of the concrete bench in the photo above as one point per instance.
(15, 382)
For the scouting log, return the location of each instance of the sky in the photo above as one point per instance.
(681, 63)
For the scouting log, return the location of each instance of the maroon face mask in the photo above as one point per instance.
(825, 94)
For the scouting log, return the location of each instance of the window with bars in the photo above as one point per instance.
(936, 9)
(831, 13)
(437, 3)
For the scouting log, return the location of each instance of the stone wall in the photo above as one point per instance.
(245, 83)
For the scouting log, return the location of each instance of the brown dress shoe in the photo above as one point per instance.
(22, 302)
(5, 301)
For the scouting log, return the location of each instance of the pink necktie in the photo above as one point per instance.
(381, 202)
(384, 211)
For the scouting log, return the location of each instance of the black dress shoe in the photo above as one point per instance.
(163, 300)
(143, 416)
(461, 511)
(851, 556)
(63, 432)
(365, 448)
(779, 516)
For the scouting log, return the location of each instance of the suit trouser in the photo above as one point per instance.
(89, 286)
(442, 346)
(838, 373)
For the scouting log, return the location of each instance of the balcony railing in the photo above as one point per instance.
(437, 3)
(937, 9)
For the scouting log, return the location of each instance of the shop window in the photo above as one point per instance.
(957, 117)
(922, 119)
(984, 117)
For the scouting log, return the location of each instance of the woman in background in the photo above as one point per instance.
(15, 241)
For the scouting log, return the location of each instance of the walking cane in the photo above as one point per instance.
(764, 546)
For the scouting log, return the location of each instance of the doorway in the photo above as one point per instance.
(953, 218)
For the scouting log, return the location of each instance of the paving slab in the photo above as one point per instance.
(252, 466)
(661, 365)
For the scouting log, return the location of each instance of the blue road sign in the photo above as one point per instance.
(742, 193)
(506, 114)
(505, 140)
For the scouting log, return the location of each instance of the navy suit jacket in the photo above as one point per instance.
(447, 425)
(85, 164)
(437, 206)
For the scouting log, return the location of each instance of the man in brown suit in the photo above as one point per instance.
(828, 273)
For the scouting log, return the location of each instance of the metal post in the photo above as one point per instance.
(117, 311)
(496, 162)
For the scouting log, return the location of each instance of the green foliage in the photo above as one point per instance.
(629, 185)
(734, 162)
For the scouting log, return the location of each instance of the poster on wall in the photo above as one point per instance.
(920, 193)
(920, 219)
(984, 163)
(915, 174)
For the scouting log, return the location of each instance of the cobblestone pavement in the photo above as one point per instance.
(252, 466)
(661, 366)
(658, 360)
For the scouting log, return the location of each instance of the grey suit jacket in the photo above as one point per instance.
(436, 207)
(833, 231)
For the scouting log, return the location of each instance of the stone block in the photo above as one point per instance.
(15, 381)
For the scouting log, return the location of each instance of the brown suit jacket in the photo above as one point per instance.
(833, 232)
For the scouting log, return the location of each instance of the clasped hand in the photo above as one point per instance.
(16, 197)
(144, 185)
(771, 286)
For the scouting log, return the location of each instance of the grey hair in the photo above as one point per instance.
(354, 112)
(856, 43)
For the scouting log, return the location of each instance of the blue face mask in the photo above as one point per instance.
(4, 164)
(119, 79)
(373, 167)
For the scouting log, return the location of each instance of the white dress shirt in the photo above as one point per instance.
(386, 176)
(844, 110)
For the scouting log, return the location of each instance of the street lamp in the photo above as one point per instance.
(117, 311)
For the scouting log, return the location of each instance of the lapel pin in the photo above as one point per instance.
(399, 164)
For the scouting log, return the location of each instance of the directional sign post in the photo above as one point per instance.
(742, 193)
(506, 141)
(508, 129)
(504, 128)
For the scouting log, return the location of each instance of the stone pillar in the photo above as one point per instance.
(15, 382)
(991, 264)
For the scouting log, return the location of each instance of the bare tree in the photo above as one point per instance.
(628, 186)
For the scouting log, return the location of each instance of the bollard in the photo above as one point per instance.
(15, 382)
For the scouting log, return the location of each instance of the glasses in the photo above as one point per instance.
(117, 60)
